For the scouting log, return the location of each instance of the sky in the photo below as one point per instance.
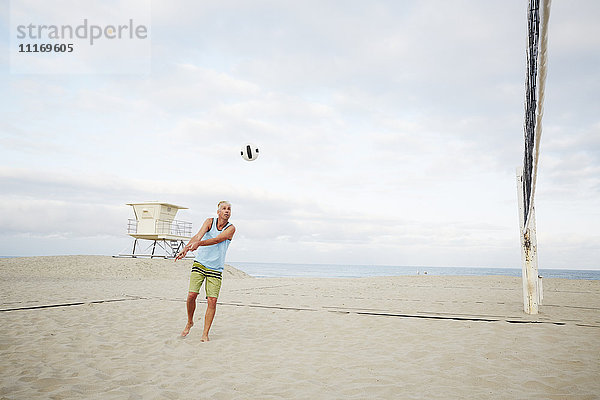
(389, 132)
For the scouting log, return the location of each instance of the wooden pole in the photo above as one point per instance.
(532, 284)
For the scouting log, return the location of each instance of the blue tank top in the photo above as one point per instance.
(213, 256)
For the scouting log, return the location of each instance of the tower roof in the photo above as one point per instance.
(157, 203)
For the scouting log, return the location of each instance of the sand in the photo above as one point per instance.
(89, 327)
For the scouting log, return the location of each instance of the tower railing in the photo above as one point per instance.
(174, 227)
(163, 227)
(132, 226)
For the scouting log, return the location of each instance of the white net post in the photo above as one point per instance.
(537, 39)
(532, 288)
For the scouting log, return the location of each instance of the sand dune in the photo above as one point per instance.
(99, 327)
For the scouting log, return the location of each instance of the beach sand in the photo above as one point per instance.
(90, 327)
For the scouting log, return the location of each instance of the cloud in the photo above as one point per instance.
(389, 132)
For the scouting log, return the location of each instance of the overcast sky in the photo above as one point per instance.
(389, 133)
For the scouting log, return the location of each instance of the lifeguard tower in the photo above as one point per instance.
(155, 226)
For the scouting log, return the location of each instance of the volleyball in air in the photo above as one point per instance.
(249, 152)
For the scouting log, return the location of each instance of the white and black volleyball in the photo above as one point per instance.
(249, 152)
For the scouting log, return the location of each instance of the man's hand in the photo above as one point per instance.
(181, 254)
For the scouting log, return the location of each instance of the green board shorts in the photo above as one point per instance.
(213, 280)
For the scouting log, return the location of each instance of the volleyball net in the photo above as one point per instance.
(535, 85)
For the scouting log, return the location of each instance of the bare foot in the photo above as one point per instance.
(187, 328)
(204, 338)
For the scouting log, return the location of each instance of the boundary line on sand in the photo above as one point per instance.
(420, 316)
(339, 310)
(78, 303)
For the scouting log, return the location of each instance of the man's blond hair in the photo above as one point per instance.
(223, 202)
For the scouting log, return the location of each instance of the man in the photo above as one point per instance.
(213, 239)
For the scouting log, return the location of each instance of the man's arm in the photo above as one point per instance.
(192, 244)
(227, 234)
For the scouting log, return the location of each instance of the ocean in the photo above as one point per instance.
(281, 270)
